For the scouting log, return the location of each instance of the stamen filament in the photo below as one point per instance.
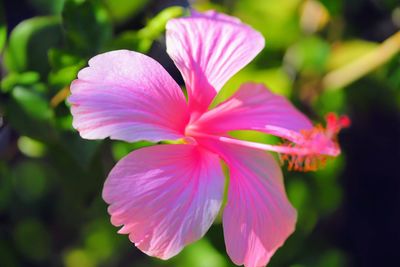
(264, 147)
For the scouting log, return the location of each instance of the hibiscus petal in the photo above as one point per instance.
(209, 48)
(258, 217)
(254, 107)
(128, 96)
(166, 196)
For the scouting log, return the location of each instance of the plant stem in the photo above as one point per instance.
(351, 72)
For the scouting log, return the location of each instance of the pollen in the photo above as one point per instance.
(316, 146)
(303, 163)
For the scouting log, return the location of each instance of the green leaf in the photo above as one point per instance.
(13, 79)
(393, 73)
(200, 254)
(31, 147)
(277, 20)
(330, 101)
(64, 76)
(65, 67)
(156, 26)
(334, 7)
(131, 41)
(64, 122)
(33, 104)
(328, 190)
(87, 26)
(100, 240)
(81, 150)
(300, 194)
(59, 59)
(143, 39)
(3, 28)
(29, 114)
(254, 136)
(53, 7)
(29, 43)
(122, 10)
(309, 55)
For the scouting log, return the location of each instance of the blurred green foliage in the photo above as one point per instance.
(51, 211)
(29, 42)
(3, 29)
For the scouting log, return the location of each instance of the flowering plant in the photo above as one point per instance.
(167, 196)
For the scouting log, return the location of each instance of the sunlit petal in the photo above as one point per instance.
(128, 96)
(165, 196)
(208, 49)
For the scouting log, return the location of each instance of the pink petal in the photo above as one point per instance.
(258, 217)
(128, 96)
(254, 107)
(165, 196)
(208, 49)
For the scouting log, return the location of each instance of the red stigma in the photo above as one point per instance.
(334, 123)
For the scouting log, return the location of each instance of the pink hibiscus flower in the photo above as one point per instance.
(167, 196)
